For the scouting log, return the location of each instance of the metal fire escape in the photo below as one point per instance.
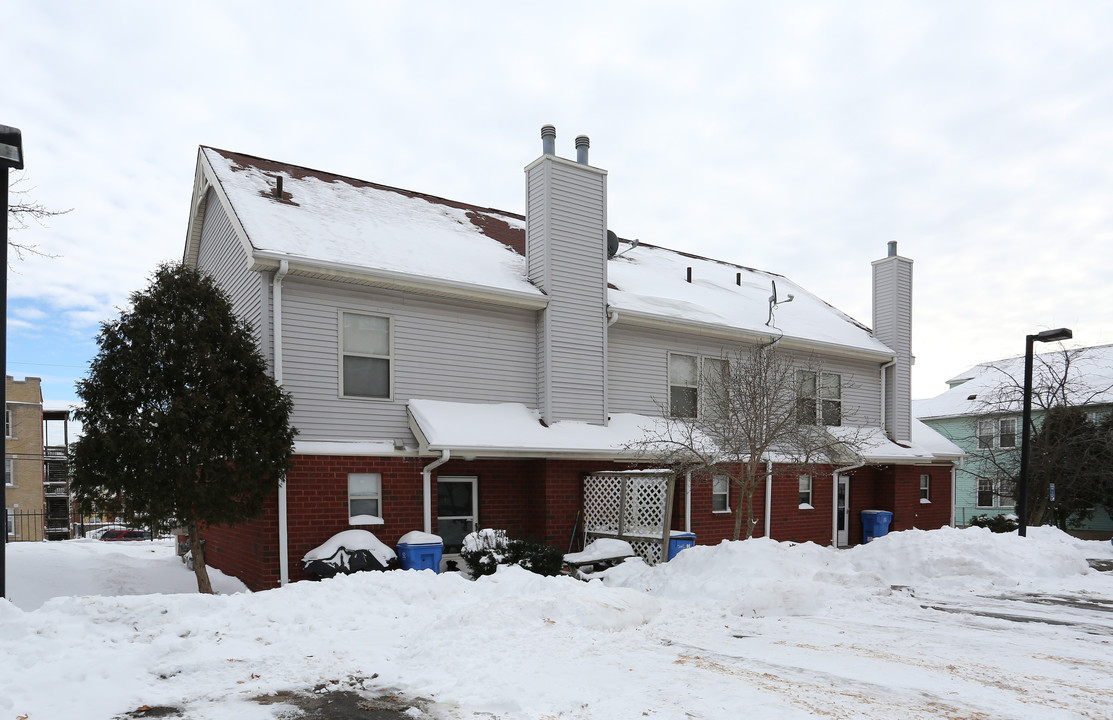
(56, 476)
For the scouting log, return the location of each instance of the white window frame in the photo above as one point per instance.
(377, 496)
(925, 488)
(820, 398)
(711, 370)
(8, 422)
(806, 492)
(342, 353)
(9, 472)
(9, 518)
(1001, 434)
(720, 488)
(696, 358)
(984, 434)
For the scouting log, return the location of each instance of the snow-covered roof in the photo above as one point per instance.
(976, 390)
(512, 429)
(363, 227)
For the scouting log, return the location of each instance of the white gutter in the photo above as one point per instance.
(427, 487)
(612, 316)
(835, 502)
(884, 367)
(276, 320)
(768, 496)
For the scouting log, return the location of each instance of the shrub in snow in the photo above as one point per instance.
(348, 552)
(996, 523)
(485, 550)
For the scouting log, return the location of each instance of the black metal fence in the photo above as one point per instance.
(36, 526)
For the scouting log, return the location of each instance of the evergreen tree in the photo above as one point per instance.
(181, 420)
(1067, 450)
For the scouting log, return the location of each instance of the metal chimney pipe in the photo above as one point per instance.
(278, 187)
(689, 273)
(892, 248)
(548, 140)
(582, 144)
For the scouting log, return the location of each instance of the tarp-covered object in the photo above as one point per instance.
(348, 552)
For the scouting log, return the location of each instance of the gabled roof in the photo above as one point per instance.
(978, 390)
(336, 227)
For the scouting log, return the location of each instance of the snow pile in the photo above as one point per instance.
(780, 629)
(970, 558)
(601, 549)
(755, 578)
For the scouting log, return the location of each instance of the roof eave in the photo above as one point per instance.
(726, 332)
(392, 280)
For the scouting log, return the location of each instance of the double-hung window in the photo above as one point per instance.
(985, 434)
(8, 423)
(1007, 433)
(805, 492)
(985, 493)
(925, 488)
(364, 494)
(365, 356)
(683, 385)
(819, 398)
(714, 386)
(720, 493)
(9, 474)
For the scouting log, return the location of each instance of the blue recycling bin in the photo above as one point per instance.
(423, 555)
(680, 541)
(875, 523)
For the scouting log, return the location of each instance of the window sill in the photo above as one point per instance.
(925, 502)
(806, 506)
(366, 520)
(721, 512)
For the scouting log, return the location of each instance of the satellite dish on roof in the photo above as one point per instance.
(612, 243)
(774, 302)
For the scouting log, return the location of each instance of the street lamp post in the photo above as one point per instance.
(1026, 430)
(11, 156)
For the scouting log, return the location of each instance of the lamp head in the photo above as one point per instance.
(1053, 335)
(11, 148)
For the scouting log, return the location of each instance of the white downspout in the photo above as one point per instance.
(768, 496)
(427, 487)
(276, 319)
(687, 502)
(835, 502)
(884, 367)
(612, 316)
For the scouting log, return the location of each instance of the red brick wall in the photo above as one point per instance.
(788, 521)
(540, 499)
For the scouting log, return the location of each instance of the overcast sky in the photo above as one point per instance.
(797, 138)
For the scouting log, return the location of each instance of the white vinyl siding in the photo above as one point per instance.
(566, 258)
(222, 256)
(442, 350)
(637, 371)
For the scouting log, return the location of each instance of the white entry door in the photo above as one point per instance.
(842, 510)
(457, 509)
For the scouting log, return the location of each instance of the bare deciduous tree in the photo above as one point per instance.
(1061, 380)
(755, 405)
(21, 212)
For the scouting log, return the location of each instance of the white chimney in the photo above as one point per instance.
(892, 325)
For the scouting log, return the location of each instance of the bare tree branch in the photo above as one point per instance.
(21, 212)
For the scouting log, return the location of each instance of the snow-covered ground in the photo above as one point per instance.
(947, 623)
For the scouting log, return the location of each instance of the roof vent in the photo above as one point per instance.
(548, 140)
(582, 144)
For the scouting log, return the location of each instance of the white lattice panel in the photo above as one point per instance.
(630, 506)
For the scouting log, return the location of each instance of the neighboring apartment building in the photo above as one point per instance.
(454, 366)
(981, 413)
(23, 459)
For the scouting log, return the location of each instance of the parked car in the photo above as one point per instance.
(126, 535)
